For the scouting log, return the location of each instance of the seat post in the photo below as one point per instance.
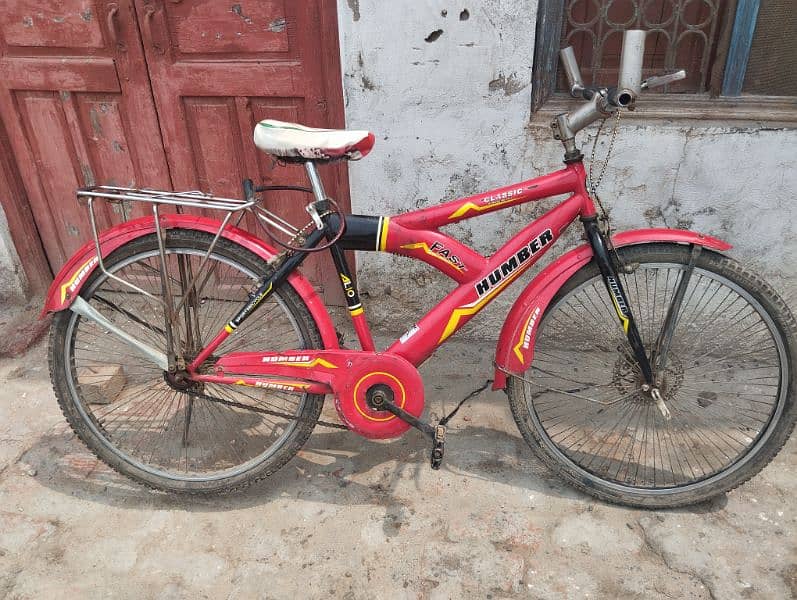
(315, 181)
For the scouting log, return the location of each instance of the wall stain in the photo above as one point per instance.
(354, 5)
(86, 15)
(434, 36)
(510, 85)
(27, 21)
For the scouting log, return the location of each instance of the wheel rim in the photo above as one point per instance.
(145, 422)
(591, 414)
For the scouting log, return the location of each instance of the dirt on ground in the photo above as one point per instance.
(351, 518)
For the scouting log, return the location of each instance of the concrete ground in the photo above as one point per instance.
(349, 518)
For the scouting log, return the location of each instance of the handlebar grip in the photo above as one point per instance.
(631, 62)
(572, 71)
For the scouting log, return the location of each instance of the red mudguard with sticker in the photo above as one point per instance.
(515, 349)
(67, 284)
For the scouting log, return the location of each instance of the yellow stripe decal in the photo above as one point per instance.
(474, 307)
(228, 328)
(78, 273)
(356, 311)
(423, 246)
(518, 353)
(308, 363)
(620, 314)
(470, 206)
(383, 233)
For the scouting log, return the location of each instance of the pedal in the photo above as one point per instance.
(438, 446)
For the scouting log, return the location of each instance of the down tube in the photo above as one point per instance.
(502, 268)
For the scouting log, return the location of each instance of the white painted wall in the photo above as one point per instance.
(12, 277)
(452, 117)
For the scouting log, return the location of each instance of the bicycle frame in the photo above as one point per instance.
(416, 234)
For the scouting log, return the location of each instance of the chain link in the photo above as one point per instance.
(594, 182)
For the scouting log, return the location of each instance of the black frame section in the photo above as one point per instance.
(616, 292)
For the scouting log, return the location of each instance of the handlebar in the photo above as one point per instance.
(603, 101)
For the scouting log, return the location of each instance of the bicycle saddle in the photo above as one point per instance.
(291, 141)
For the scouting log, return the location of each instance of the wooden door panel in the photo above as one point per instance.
(213, 28)
(54, 24)
(75, 100)
(216, 69)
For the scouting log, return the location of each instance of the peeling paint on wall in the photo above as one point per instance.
(354, 5)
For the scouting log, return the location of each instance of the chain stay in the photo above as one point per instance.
(265, 411)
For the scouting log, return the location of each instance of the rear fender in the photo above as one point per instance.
(67, 284)
(515, 349)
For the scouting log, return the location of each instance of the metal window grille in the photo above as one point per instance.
(683, 34)
(772, 63)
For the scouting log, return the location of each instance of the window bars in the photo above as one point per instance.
(682, 34)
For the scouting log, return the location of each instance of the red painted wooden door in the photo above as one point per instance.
(76, 103)
(217, 68)
(162, 93)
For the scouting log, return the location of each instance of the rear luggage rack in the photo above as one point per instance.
(193, 281)
(193, 199)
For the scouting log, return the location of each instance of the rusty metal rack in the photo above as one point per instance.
(185, 199)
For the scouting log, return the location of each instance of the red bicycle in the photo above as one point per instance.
(645, 368)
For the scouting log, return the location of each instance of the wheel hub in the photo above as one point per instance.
(179, 380)
(627, 379)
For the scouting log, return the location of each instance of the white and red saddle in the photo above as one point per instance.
(292, 141)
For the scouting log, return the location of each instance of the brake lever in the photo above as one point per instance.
(659, 80)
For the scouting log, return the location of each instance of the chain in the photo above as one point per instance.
(594, 182)
(265, 411)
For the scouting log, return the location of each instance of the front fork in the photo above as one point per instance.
(618, 297)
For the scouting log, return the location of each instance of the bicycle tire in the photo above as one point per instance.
(109, 436)
(719, 406)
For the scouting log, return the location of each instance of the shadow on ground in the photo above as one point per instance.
(326, 470)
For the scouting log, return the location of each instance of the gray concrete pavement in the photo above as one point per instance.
(349, 518)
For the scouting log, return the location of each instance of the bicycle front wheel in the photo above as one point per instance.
(728, 381)
(124, 408)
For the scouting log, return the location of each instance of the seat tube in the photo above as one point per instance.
(353, 302)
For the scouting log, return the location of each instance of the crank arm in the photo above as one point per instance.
(402, 414)
(84, 309)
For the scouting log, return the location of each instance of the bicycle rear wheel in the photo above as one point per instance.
(728, 382)
(121, 405)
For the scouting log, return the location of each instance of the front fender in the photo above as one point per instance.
(67, 284)
(515, 349)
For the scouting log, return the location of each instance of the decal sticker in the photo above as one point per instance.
(348, 286)
(619, 302)
(253, 303)
(381, 233)
(438, 250)
(490, 286)
(525, 334)
(74, 282)
(275, 385)
(298, 361)
(415, 329)
(490, 202)
(514, 262)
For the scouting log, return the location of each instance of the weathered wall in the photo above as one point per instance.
(448, 95)
(12, 278)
